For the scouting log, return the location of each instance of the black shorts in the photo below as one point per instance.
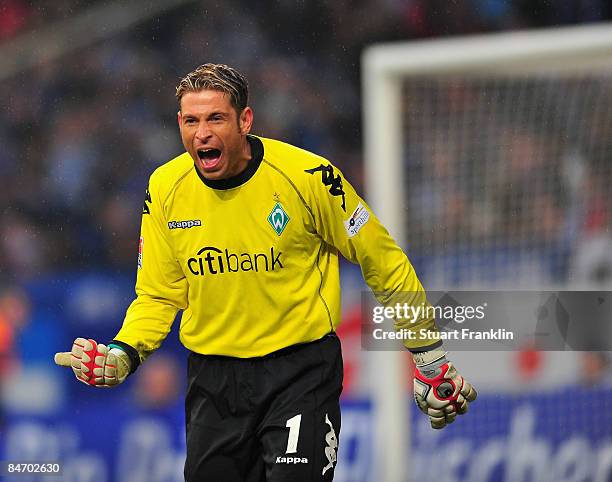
(274, 418)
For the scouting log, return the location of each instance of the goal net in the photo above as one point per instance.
(489, 159)
(506, 175)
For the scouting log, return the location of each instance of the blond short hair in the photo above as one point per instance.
(218, 77)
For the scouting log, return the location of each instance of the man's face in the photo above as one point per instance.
(214, 134)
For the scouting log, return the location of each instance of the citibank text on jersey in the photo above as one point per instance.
(212, 260)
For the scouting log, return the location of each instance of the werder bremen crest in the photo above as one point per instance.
(278, 218)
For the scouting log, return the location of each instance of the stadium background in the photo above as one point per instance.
(81, 132)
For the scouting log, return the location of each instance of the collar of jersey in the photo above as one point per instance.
(257, 151)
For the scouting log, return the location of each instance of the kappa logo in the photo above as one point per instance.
(357, 220)
(291, 460)
(145, 206)
(278, 218)
(192, 223)
(328, 179)
(332, 445)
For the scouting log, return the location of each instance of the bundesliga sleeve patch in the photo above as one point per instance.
(359, 217)
(140, 243)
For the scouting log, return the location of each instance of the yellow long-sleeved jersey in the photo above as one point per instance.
(253, 260)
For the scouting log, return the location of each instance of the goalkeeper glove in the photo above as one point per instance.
(95, 364)
(439, 391)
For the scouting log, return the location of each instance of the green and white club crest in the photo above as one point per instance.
(278, 218)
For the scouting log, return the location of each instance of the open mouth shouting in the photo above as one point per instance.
(209, 158)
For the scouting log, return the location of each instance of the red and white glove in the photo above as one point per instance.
(439, 391)
(94, 364)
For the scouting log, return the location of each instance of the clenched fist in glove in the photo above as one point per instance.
(95, 364)
(439, 390)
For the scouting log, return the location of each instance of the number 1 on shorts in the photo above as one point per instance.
(294, 432)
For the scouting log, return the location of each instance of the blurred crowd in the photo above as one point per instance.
(81, 134)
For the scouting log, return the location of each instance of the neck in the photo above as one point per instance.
(244, 157)
(253, 155)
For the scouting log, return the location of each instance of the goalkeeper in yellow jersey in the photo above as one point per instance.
(243, 233)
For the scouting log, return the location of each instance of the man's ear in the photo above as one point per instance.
(179, 119)
(246, 120)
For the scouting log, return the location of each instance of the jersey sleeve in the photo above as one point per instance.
(161, 287)
(345, 221)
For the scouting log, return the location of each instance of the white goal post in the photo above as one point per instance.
(385, 70)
